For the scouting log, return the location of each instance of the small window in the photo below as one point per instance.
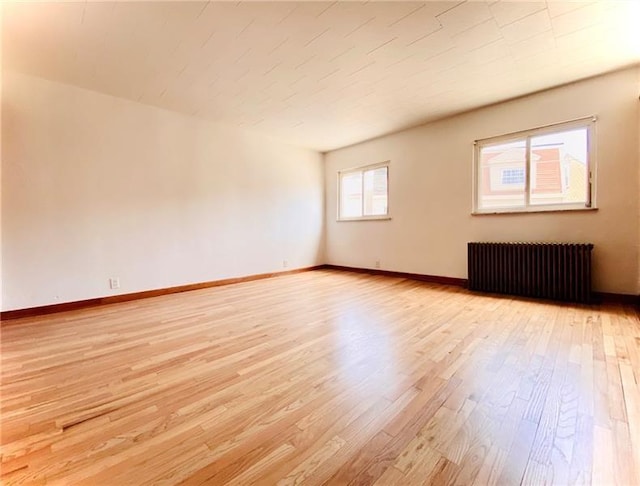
(363, 193)
(513, 176)
(538, 170)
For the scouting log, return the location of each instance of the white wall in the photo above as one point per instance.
(1, 6)
(431, 188)
(638, 141)
(95, 186)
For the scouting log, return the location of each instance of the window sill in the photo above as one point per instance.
(531, 211)
(364, 218)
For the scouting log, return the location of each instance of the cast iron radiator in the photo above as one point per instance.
(560, 271)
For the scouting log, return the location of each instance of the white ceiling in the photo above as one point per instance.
(320, 74)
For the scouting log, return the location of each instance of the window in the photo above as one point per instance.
(543, 169)
(363, 193)
(513, 176)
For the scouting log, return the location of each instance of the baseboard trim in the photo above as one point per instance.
(604, 297)
(610, 298)
(115, 299)
(458, 282)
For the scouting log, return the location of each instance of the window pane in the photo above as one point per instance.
(559, 171)
(375, 192)
(501, 175)
(351, 195)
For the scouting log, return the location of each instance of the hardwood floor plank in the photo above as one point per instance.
(323, 377)
(518, 458)
(360, 460)
(631, 386)
(491, 468)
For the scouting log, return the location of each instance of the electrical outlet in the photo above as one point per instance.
(285, 263)
(114, 283)
(377, 263)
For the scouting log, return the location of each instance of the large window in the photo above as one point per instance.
(544, 169)
(363, 193)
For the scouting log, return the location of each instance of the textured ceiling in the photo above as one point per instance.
(316, 74)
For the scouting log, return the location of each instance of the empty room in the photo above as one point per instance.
(391, 243)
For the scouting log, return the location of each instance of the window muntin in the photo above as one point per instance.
(363, 193)
(543, 169)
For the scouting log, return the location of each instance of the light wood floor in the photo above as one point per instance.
(321, 377)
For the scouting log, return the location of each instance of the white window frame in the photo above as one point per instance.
(588, 122)
(364, 169)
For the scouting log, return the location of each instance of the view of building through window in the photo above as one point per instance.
(364, 192)
(557, 171)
